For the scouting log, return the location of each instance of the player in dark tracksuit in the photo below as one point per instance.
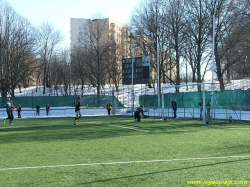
(137, 113)
(78, 110)
(174, 106)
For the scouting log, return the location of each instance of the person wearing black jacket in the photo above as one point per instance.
(174, 106)
(38, 110)
(137, 113)
(78, 110)
(47, 110)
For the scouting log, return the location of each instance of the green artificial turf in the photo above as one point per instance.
(115, 151)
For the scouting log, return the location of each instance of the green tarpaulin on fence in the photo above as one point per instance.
(226, 98)
(63, 101)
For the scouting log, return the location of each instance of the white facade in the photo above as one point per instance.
(77, 30)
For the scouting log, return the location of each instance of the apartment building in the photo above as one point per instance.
(88, 32)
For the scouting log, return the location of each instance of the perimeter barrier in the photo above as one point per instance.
(63, 101)
(241, 113)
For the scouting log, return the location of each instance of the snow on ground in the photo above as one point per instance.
(124, 95)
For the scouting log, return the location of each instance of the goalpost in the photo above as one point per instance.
(190, 103)
(199, 101)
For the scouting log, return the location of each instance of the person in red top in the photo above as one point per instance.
(19, 110)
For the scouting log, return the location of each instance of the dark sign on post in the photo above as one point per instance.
(141, 70)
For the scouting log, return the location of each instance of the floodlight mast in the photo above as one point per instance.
(157, 61)
(132, 72)
(204, 103)
(132, 77)
(158, 71)
(213, 60)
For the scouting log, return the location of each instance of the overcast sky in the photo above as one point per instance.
(59, 12)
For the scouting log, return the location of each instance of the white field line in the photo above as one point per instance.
(128, 128)
(128, 162)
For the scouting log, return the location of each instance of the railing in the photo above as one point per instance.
(237, 113)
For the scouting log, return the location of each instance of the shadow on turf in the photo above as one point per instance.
(185, 125)
(92, 129)
(65, 130)
(158, 172)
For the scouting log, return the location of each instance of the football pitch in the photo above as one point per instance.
(116, 151)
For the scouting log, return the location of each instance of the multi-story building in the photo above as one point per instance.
(87, 31)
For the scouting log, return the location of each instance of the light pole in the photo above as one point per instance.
(157, 60)
(132, 77)
(158, 70)
(213, 61)
(132, 72)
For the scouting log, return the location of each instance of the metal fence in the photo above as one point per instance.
(239, 113)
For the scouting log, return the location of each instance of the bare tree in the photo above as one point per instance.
(226, 20)
(236, 61)
(198, 40)
(78, 68)
(17, 38)
(175, 10)
(61, 72)
(95, 51)
(148, 22)
(48, 39)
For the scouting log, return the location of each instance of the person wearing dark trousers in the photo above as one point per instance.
(38, 110)
(201, 108)
(19, 110)
(138, 113)
(174, 106)
(9, 109)
(47, 110)
(208, 105)
(108, 107)
(78, 110)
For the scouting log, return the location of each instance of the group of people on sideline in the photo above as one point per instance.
(208, 106)
(9, 109)
(9, 105)
(38, 110)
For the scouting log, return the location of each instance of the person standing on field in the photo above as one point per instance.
(78, 110)
(201, 108)
(19, 110)
(38, 110)
(109, 106)
(208, 105)
(9, 111)
(174, 106)
(47, 110)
